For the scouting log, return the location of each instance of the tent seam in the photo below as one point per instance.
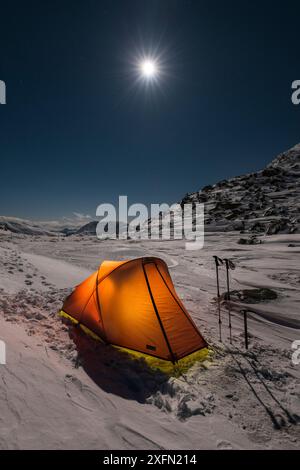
(178, 303)
(142, 259)
(158, 316)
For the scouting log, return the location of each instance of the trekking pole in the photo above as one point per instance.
(245, 328)
(229, 265)
(218, 262)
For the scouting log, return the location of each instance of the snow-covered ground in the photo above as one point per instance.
(59, 389)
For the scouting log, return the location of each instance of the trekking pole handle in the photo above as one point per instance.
(229, 264)
(218, 260)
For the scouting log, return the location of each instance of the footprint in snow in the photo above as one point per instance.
(81, 395)
(224, 445)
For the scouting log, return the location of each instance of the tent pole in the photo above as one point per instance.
(246, 328)
(178, 303)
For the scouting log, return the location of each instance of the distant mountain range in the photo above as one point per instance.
(267, 201)
(22, 226)
(28, 227)
(90, 228)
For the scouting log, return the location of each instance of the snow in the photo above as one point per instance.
(58, 391)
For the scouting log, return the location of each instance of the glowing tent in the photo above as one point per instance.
(133, 304)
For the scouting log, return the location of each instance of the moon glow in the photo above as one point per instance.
(148, 68)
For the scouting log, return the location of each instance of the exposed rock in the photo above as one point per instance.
(253, 240)
(207, 188)
(251, 296)
(257, 227)
(270, 171)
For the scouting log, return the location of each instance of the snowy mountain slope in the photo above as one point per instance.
(90, 228)
(63, 225)
(267, 201)
(264, 202)
(23, 226)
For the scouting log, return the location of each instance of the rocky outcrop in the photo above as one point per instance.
(264, 202)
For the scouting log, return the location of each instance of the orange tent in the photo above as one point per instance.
(133, 304)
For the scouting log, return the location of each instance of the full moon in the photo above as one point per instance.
(148, 68)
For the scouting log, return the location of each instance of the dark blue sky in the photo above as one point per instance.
(75, 133)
